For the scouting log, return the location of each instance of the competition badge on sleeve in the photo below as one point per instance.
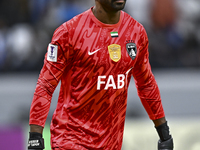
(114, 52)
(132, 50)
(52, 53)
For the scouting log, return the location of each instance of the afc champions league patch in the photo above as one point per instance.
(52, 53)
(114, 52)
(132, 50)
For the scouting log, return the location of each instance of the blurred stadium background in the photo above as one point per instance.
(173, 27)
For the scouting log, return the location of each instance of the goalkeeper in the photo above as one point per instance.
(94, 55)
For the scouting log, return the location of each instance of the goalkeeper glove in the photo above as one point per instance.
(35, 142)
(165, 145)
(166, 140)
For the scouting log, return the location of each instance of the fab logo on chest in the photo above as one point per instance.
(109, 82)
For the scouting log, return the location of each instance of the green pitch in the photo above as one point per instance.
(46, 136)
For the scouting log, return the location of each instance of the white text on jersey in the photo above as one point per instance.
(110, 83)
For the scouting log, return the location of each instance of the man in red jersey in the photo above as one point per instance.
(94, 56)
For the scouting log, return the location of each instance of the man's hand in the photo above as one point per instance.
(35, 142)
(165, 145)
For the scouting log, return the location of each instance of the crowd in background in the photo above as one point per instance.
(26, 28)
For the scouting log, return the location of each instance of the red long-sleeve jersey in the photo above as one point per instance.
(94, 62)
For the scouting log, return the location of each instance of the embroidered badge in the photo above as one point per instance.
(114, 52)
(132, 50)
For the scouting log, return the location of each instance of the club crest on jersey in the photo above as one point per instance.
(132, 50)
(114, 52)
(52, 53)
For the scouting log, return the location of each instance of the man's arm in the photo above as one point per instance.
(149, 94)
(54, 65)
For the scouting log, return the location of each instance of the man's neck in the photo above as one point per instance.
(106, 17)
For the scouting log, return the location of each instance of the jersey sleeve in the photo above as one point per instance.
(146, 84)
(49, 77)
